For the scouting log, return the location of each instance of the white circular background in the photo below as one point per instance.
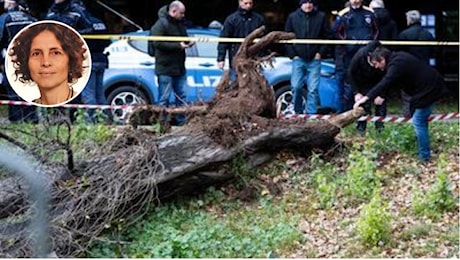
(29, 91)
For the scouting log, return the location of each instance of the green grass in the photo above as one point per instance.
(186, 229)
(449, 105)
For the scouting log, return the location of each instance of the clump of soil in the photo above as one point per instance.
(243, 107)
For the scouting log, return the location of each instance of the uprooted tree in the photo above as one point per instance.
(137, 169)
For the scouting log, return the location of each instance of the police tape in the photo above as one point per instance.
(391, 118)
(239, 40)
(86, 106)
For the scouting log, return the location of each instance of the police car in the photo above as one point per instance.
(130, 78)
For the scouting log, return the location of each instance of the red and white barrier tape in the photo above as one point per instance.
(23, 103)
(389, 118)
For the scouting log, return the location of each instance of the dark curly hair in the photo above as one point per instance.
(71, 43)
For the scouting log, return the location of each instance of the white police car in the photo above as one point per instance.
(130, 78)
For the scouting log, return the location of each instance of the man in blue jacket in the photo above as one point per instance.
(422, 83)
(15, 17)
(355, 22)
(307, 23)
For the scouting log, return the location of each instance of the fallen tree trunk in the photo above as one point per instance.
(137, 169)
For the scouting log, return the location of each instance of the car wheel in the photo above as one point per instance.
(126, 95)
(283, 97)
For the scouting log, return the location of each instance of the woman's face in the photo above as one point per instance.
(48, 63)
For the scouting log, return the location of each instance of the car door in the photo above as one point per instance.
(203, 79)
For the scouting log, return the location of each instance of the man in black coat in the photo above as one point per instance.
(239, 24)
(388, 29)
(362, 77)
(415, 32)
(422, 83)
(170, 56)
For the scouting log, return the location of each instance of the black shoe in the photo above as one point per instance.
(379, 127)
(361, 128)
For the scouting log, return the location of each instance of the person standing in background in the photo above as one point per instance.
(415, 32)
(15, 17)
(388, 29)
(355, 22)
(75, 14)
(307, 23)
(239, 24)
(170, 56)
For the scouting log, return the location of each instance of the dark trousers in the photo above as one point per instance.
(380, 110)
(93, 92)
(346, 90)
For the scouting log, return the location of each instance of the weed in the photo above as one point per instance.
(97, 133)
(439, 198)
(324, 180)
(181, 230)
(416, 231)
(361, 178)
(400, 138)
(243, 174)
(444, 136)
(373, 225)
(159, 128)
(326, 191)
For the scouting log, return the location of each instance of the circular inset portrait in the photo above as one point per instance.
(48, 63)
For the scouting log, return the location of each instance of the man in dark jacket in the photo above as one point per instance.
(75, 14)
(15, 18)
(307, 23)
(363, 77)
(170, 56)
(388, 29)
(356, 22)
(421, 82)
(239, 24)
(415, 32)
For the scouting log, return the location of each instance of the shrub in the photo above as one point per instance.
(361, 178)
(439, 197)
(374, 222)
